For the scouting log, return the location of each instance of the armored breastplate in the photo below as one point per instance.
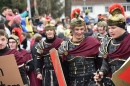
(46, 57)
(115, 63)
(79, 66)
(99, 37)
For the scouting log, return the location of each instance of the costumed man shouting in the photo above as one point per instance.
(116, 49)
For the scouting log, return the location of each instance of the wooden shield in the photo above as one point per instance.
(122, 76)
(9, 73)
(57, 67)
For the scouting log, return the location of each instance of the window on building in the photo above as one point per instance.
(88, 8)
(106, 9)
(124, 8)
(128, 8)
(84, 9)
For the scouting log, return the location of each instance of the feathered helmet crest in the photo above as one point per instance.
(87, 11)
(75, 13)
(17, 32)
(117, 15)
(101, 21)
(75, 19)
(49, 26)
(100, 18)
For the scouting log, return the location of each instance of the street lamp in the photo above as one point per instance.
(84, 2)
(28, 4)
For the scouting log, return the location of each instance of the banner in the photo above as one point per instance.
(9, 73)
(57, 67)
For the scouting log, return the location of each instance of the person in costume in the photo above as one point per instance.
(23, 25)
(14, 43)
(29, 26)
(80, 53)
(17, 29)
(45, 70)
(102, 29)
(4, 50)
(26, 41)
(128, 23)
(86, 18)
(4, 13)
(35, 40)
(22, 15)
(116, 49)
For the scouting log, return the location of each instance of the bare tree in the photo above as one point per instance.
(53, 7)
(68, 4)
(45, 6)
(35, 7)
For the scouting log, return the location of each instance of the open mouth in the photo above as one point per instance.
(112, 34)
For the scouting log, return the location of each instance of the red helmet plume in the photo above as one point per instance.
(75, 12)
(18, 32)
(116, 6)
(48, 18)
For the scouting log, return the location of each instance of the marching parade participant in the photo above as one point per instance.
(102, 28)
(45, 70)
(116, 49)
(80, 53)
(4, 50)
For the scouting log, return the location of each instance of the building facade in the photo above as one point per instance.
(99, 6)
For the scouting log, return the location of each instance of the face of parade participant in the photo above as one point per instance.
(6, 12)
(50, 33)
(18, 21)
(101, 30)
(3, 42)
(23, 36)
(115, 31)
(10, 12)
(12, 44)
(78, 33)
(30, 21)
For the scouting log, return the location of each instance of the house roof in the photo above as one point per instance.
(92, 2)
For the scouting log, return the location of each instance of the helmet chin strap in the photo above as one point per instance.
(50, 40)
